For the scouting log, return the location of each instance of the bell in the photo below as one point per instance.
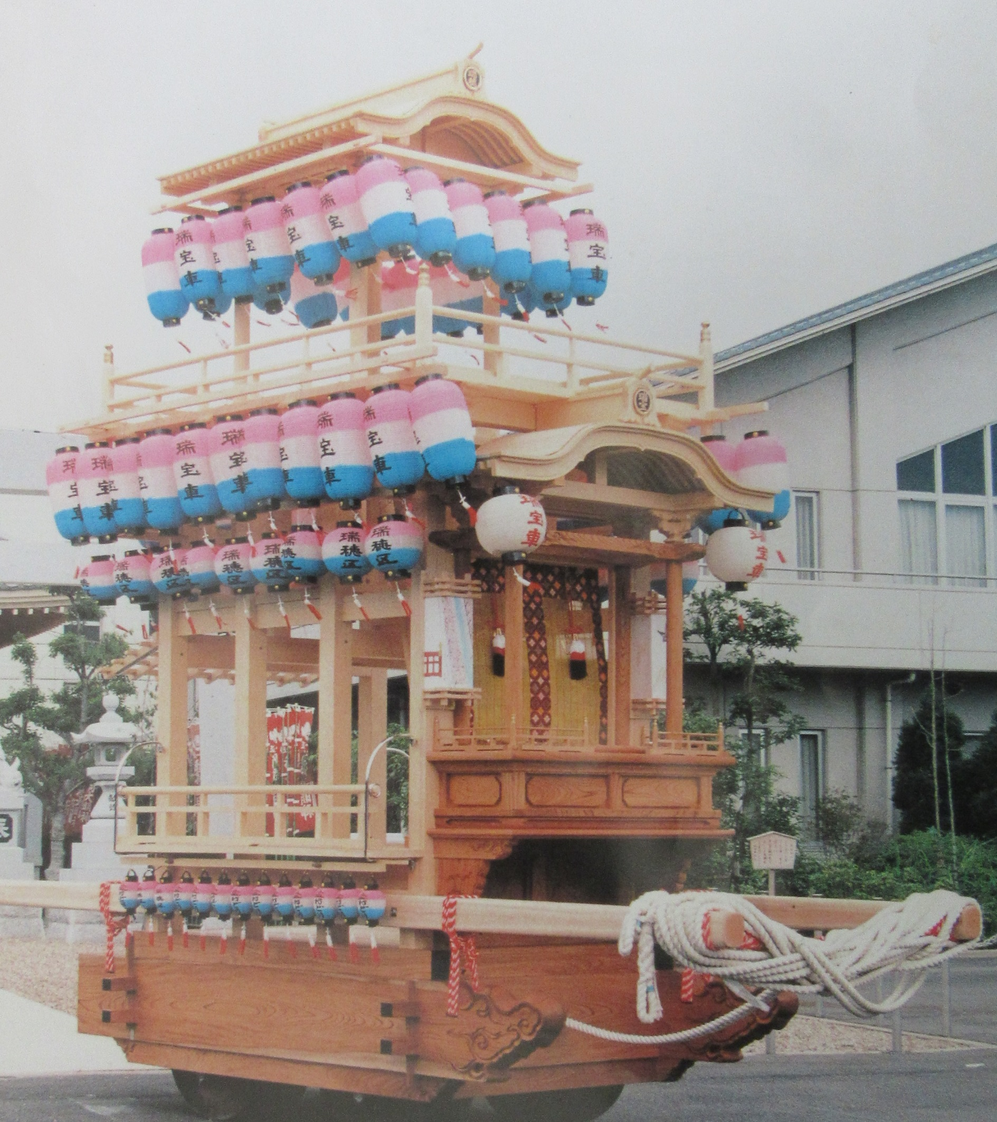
(577, 666)
(498, 653)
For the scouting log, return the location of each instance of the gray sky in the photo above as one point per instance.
(755, 161)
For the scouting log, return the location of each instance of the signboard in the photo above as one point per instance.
(773, 851)
(6, 828)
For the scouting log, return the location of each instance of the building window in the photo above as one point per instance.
(805, 515)
(811, 778)
(88, 631)
(948, 527)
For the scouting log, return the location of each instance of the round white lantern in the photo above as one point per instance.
(736, 554)
(511, 524)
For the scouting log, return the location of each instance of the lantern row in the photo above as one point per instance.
(252, 255)
(243, 465)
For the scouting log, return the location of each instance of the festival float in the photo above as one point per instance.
(436, 475)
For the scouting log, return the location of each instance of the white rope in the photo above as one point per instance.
(908, 937)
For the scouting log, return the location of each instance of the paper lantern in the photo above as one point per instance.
(736, 554)
(270, 255)
(166, 901)
(194, 253)
(157, 483)
(221, 899)
(64, 493)
(162, 280)
(394, 546)
(266, 473)
(168, 571)
(131, 575)
(97, 579)
(199, 561)
(234, 269)
(230, 464)
(474, 253)
(443, 430)
(272, 302)
(203, 894)
(98, 490)
(511, 524)
(343, 552)
(314, 307)
(551, 270)
(234, 565)
(297, 434)
(398, 285)
(513, 263)
(284, 898)
(242, 897)
(761, 462)
(397, 461)
(326, 901)
(304, 900)
(372, 904)
(149, 890)
(349, 900)
(386, 203)
(302, 551)
(268, 562)
(344, 453)
(435, 235)
(195, 483)
(129, 892)
(264, 898)
(726, 456)
(340, 199)
(129, 509)
(184, 894)
(588, 255)
(308, 234)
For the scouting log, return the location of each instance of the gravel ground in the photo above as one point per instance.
(45, 971)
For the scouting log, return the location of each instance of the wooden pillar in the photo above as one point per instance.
(619, 591)
(674, 620)
(171, 713)
(250, 762)
(515, 651)
(335, 684)
(494, 361)
(240, 335)
(368, 303)
(372, 728)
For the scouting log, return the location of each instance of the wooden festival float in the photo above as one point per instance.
(550, 780)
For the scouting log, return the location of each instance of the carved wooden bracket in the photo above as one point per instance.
(498, 1029)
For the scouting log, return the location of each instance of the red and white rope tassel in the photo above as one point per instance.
(242, 938)
(311, 607)
(406, 607)
(189, 619)
(169, 934)
(219, 622)
(375, 954)
(463, 954)
(359, 604)
(472, 514)
(111, 925)
(749, 942)
(284, 615)
(266, 940)
(312, 937)
(331, 947)
(185, 938)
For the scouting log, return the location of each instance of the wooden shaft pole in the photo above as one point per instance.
(335, 716)
(171, 716)
(514, 651)
(673, 647)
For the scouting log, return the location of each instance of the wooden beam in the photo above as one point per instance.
(372, 728)
(515, 666)
(335, 716)
(250, 753)
(172, 713)
(619, 666)
(674, 620)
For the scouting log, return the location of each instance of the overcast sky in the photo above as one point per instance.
(755, 162)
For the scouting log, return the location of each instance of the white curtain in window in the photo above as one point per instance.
(965, 545)
(805, 512)
(919, 539)
(811, 787)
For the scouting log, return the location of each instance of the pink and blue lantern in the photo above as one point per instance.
(443, 430)
(343, 552)
(234, 269)
(162, 280)
(268, 562)
(435, 234)
(474, 253)
(195, 482)
(97, 579)
(398, 286)
(230, 464)
(551, 270)
(270, 255)
(194, 253)
(302, 550)
(98, 490)
(64, 493)
(284, 898)
(234, 565)
(272, 302)
(726, 456)
(386, 202)
(264, 898)
(398, 463)
(221, 901)
(588, 254)
(761, 462)
(168, 571)
(166, 903)
(314, 307)
(304, 900)
(344, 452)
(372, 904)
(199, 561)
(513, 264)
(242, 897)
(129, 511)
(344, 217)
(394, 546)
(132, 576)
(157, 483)
(203, 894)
(266, 475)
(299, 452)
(308, 234)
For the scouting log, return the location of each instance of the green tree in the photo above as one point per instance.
(980, 809)
(28, 714)
(931, 777)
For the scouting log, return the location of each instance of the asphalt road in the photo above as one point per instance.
(936, 1087)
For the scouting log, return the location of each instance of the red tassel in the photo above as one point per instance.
(740, 622)
(354, 954)
(223, 944)
(186, 936)
(779, 554)
(311, 607)
(169, 937)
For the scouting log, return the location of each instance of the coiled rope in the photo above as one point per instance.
(908, 937)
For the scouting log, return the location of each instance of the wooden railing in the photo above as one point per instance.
(254, 820)
(583, 741)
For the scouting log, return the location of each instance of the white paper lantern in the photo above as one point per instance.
(511, 524)
(736, 554)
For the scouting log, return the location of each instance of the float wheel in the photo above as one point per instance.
(220, 1098)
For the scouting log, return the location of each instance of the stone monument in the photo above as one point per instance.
(20, 845)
